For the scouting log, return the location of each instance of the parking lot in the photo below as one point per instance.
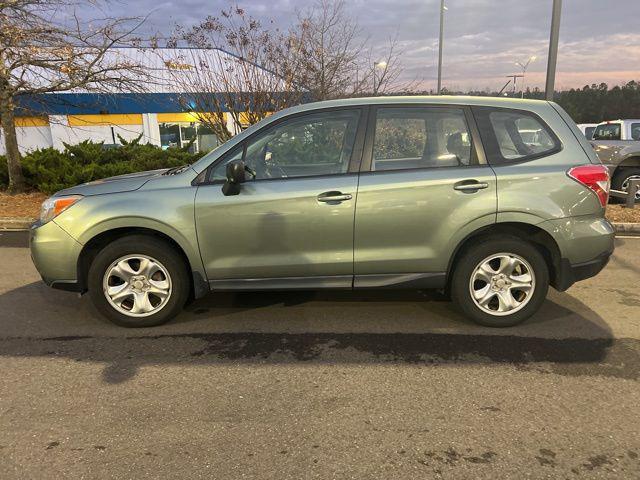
(320, 385)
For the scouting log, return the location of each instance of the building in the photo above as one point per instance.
(160, 114)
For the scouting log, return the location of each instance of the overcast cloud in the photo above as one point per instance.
(599, 39)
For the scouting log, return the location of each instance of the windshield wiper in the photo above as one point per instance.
(176, 170)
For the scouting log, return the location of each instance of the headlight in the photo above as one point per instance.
(54, 206)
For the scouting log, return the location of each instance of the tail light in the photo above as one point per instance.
(595, 177)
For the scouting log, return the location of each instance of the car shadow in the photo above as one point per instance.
(332, 328)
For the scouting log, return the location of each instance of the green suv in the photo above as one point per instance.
(489, 199)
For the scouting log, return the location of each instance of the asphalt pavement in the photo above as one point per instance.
(305, 385)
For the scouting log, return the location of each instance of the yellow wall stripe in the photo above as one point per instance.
(31, 121)
(244, 117)
(107, 119)
(184, 117)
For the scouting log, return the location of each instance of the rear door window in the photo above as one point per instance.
(421, 137)
(608, 131)
(515, 135)
(635, 131)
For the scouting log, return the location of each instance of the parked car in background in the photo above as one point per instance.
(617, 144)
(587, 129)
(490, 199)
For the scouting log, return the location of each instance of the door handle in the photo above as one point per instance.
(334, 197)
(470, 186)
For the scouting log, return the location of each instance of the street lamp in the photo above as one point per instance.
(443, 8)
(381, 64)
(553, 49)
(523, 66)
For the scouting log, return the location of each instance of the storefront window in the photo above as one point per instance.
(207, 139)
(180, 134)
(169, 135)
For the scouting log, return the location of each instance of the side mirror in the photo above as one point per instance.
(235, 176)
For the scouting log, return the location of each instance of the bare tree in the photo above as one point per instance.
(239, 67)
(235, 67)
(337, 61)
(41, 51)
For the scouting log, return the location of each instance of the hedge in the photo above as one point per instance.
(49, 170)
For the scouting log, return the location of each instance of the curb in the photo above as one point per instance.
(16, 223)
(23, 223)
(626, 228)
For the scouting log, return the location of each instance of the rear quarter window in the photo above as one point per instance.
(514, 135)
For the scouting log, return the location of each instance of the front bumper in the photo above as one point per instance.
(55, 255)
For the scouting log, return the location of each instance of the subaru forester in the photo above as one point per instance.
(489, 199)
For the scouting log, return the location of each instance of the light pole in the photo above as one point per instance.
(553, 49)
(380, 64)
(442, 10)
(524, 66)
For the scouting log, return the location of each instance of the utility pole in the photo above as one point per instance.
(553, 49)
(442, 9)
(515, 80)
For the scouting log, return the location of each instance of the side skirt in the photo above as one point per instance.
(283, 283)
(408, 281)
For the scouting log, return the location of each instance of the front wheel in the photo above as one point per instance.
(500, 282)
(138, 281)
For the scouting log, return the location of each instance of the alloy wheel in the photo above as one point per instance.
(137, 285)
(502, 284)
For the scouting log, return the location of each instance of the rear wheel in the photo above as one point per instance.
(138, 281)
(500, 282)
(622, 179)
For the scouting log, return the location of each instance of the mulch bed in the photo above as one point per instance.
(618, 214)
(28, 205)
(22, 205)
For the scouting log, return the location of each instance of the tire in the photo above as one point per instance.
(493, 250)
(621, 177)
(166, 289)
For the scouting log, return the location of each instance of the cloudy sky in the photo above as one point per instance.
(599, 39)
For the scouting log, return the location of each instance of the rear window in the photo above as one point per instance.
(609, 131)
(515, 135)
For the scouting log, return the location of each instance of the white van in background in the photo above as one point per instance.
(587, 129)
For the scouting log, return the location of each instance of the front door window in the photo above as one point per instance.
(304, 146)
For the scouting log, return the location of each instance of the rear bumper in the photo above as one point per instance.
(584, 243)
(572, 273)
